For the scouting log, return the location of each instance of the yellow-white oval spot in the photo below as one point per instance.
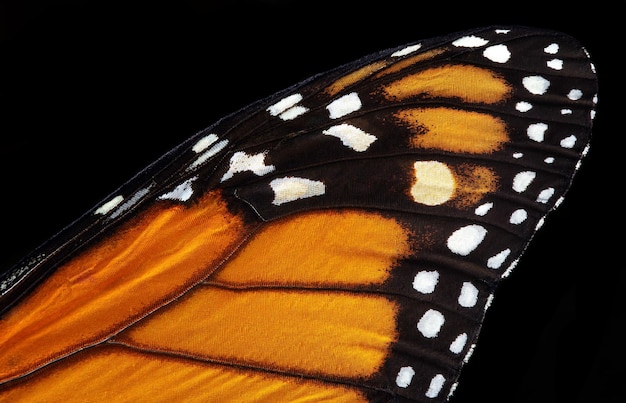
(434, 183)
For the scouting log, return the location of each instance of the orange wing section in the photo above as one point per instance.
(148, 262)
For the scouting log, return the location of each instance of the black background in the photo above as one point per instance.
(91, 93)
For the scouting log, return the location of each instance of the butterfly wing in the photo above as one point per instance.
(340, 239)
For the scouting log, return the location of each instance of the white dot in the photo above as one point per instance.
(545, 195)
(536, 131)
(566, 111)
(556, 64)
(522, 180)
(465, 239)
(344, 105)
(518, 155)
(483, 209)
(405, 376)
(468, 296)
(568, 142)
(458, 344)
(552, 49)
(549, 160)
(496, 261)
(426, 281)
(518, 216)
(435, 386)
(430, 323)
(497, 53)
(536, 84)
(523, 106)
(575, 94)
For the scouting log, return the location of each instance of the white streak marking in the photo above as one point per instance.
(351, 136)
(405, 376)
(134, 199)
(110, 205)
(208, 154)
(465, 239)
(293, 112)
(284, 104)
(430, 323)
(204, 143)
(470, 42)
(407, 50)
(344, 105)
(289, 189)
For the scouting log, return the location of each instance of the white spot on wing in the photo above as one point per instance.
(575, 94)
(523, 106)
(110, 205)
(242, 162)
(536, 131)
(536, 84)
(468, 296)
(284, 104)
(470, 41)
(205, 156)
(551, 49)
(522, 180)
(518, 216)
(430, 323)
(131, 201)
(181, 192)
(405, 376)
(458, 344)
(483, 209)
(496, 261)
(436, 384)
(407, 50)
(497, 53)
(289, 189)
(344, 105)
(351, 136)
(556, 64)
(293, 112)
(204, 143)
(426, 281)
(465, 239)
(545, 195)
(568, 142)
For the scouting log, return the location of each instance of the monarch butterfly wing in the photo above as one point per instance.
(340, 239)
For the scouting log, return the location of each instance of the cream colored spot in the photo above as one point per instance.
(434, 183)
(290, 189)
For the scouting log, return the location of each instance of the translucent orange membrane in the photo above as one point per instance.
(359, 249)
(454, 130)
(106, 373)
(301, 331)
(151, 260)
(465, 82)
